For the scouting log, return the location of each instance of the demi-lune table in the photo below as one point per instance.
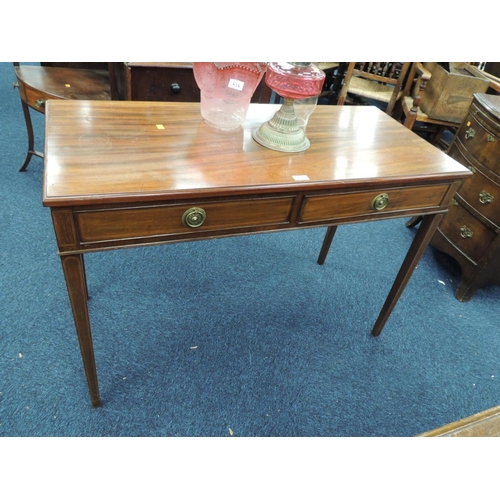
(124, 173)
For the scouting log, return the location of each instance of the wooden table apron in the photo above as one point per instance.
(122, 174)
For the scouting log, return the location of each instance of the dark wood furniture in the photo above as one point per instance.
(164, 81)
(482, 424)
(78, 65)
(37, 84)
(470, 232)
(127, 173)
(379, 81)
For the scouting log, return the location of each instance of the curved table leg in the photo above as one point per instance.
(31, 137)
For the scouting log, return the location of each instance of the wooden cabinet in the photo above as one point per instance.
(155, 81)
(470, 232)
(164, 81)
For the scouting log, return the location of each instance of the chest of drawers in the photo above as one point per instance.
(470, 232)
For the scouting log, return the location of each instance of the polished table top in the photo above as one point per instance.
(119, 151)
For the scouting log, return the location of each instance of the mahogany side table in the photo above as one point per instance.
(127, 173)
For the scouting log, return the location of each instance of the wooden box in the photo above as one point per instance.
(448, 94)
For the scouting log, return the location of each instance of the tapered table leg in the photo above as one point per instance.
(422, 238)
(330, 233)
(74, 272)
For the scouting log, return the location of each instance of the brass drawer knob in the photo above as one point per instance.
(194, 217)
(491, 138)
(380, 201)
(485, 197)
(470, 133)
(40, 103)
(466, 232)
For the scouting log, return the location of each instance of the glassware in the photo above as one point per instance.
(304, 108)
(296, 81)
(226, 90)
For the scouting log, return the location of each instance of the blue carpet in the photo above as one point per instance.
(243, 336)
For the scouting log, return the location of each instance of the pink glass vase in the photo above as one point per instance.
(226, 90)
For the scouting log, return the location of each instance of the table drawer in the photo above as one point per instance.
(325, 207)
(36, 98)
(466, 233)
(177, 219)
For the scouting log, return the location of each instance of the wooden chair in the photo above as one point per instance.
(409, 110)
(37, 84)
(375, 80)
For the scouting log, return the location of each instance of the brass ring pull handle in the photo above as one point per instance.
(194, 217)
(40, 103)
(380, 201)
(470, 133)
(485, 197)
(466, 232)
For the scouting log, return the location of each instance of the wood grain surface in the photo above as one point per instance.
(142, 151)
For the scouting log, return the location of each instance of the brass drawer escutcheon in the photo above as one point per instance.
(466, 232)
(485, 197)
(380, 201)
(454, 202)
(470, 133)
(194, 217)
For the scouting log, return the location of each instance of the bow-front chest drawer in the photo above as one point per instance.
(481, 139)
(467, 233)
(483, 195)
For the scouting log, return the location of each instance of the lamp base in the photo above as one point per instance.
(282, 132)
